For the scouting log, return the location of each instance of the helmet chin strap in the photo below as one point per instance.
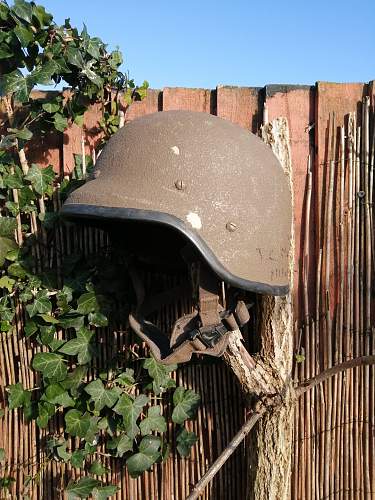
(204, 331)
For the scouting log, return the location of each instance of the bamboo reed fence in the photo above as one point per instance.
(333, 146)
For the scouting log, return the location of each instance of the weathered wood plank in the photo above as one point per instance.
(239, 105)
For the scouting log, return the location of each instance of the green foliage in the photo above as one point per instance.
(185, 403)
(185, 440)
(71, 294)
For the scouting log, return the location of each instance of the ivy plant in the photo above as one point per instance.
(64, 301)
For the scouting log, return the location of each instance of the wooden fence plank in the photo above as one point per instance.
(239, 105)
(190, 99)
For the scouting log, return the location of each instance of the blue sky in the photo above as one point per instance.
(237, 42)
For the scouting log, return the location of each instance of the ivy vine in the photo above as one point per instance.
(63, 302)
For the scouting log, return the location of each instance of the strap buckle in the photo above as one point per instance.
(209, 336)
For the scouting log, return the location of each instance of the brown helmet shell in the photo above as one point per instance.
(213, 181)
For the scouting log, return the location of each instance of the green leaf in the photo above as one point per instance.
(45, 412)
(7, 226)
(77, 459)
(17, 396)
(51, 365)
(74, 57)
(23, 133)
(30, 328)
(154, 421)
(42, 75)
(15, 83)
(23, 10)
(41, 178)
(62, 453)
(100, 395)
(92, 76)
(24, 35)
(149, 453)
(6, 282)
(185, 403)
(77, 424)
(6, 245)
(40, 305)
(74, 379)
(57, 395)
(130, 409)
(48, 318)
(104, 492)
(2, 454)
(5, 52)
(51, 107)
(87, 303)
(160, 375)
(98, 319)
(185, 440)
(125, 444)
(80, 346)
(60, 122)
(82, 488)
(126, 378)
(72, 320)
(98, 468)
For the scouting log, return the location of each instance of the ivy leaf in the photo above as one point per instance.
(41, 178)
(51, 107)
(87, 303)
(23, 10)
(77, 459)
(6, 245)
(7, 226)
(154, 421)
(42, 75)
(130, 409)
(160, 375)
(185, 440)
(185, 403)
(60, 122)
(23, 133)
(126, 378)
(100, 395)
(149, 453)
(74, 379)
(72, 319)
(30, 328)
(77, 424)
(51, 365)
(7, 282)
(62, 453)
(104, 492)
(24, 35)
(82, 488)
(80, 346)
(97, 319)
(48, 318)
(15, 83)
(74, 57)
(124, 445)
(57, 395)
(98, 468)
(17, 396)
(40, 305)
(45, 412)
(91, 75)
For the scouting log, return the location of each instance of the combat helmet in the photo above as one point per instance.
(220, 191)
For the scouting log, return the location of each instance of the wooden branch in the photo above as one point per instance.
(229, 450)
(262, 408)
(334, 370)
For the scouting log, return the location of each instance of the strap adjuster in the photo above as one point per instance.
(209, 336)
